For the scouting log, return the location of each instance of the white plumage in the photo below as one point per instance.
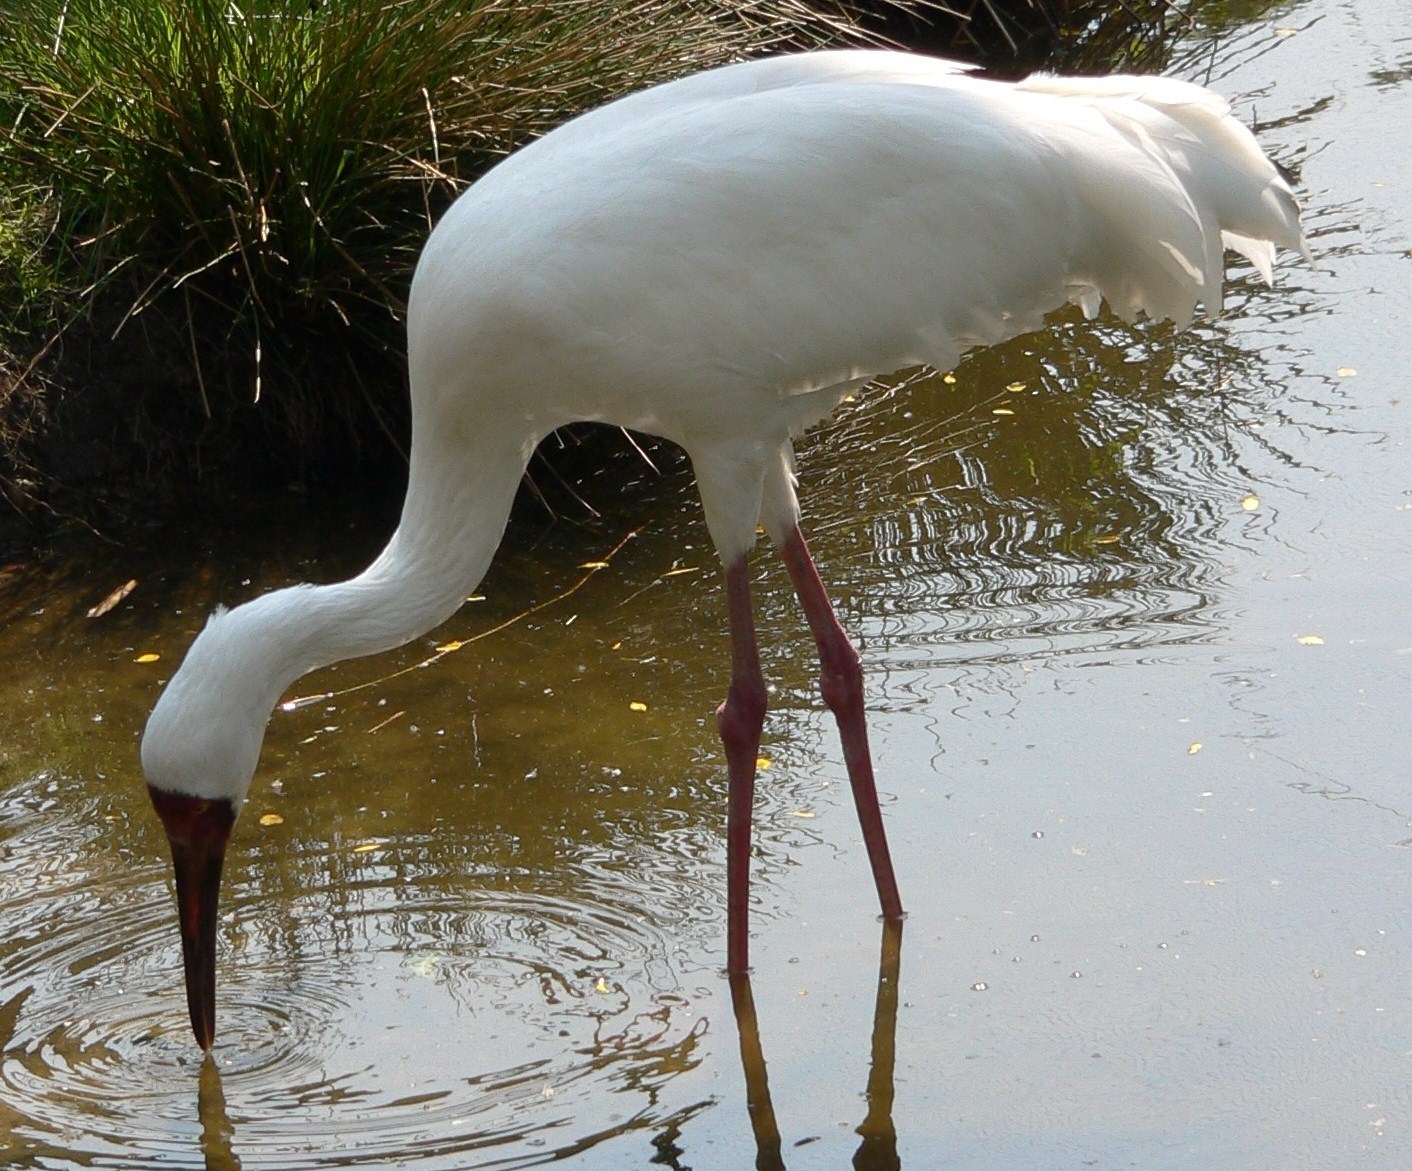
(718, 261)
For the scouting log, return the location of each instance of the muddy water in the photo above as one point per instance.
(1138, 657)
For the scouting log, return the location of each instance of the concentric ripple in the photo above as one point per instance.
(400, 1018)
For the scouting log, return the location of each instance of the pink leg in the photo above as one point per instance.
(841, 681)
(740, 719)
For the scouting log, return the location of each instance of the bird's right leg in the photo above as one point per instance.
(841, 681)
(740, 719)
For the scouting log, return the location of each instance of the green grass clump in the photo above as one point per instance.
(302, 147)
(250, 180)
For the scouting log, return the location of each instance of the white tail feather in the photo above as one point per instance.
(1239, 197)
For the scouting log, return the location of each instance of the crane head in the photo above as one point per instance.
(199, 753)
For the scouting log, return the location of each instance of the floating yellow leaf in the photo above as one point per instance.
(1194, 748)
(271, 819)
(1250, 503)
(148, 657)
(616, 646)
(594, 565)
(763, 762)
(949, 379)
(1002, 411)
(683, 569)
(369, 846)
(601, 985)
(1310, 640)
(1015, 387)
(1347, 372)
(637, 705)
(804, 813)
(1107, 539)
(447, 647)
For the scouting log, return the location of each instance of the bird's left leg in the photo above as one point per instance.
(740, 719)
(841, 681)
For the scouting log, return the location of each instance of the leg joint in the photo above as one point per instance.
(741, 717)
(841, 677)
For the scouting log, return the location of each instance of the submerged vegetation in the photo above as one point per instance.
(210, 209)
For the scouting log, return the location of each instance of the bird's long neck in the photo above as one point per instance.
(203, 737)
(454, 516)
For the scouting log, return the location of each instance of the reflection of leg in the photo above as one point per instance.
(740, 719)
(878, 1150)
(216, 1130)
(757, 1082)
(841, 680)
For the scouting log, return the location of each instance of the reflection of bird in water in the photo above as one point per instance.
(216, 1130)
(878, 1150)
(718, 261)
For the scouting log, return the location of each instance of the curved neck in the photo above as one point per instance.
(452, 522)
(203, 737)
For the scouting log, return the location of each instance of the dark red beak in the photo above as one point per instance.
(198, 829)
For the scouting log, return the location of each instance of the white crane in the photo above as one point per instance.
(718, 261)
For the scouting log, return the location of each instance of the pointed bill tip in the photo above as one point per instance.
(198, 829)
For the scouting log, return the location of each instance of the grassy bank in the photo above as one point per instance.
(209, 209)
(214, 205)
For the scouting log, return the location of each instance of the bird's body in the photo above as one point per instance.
(718, 261)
